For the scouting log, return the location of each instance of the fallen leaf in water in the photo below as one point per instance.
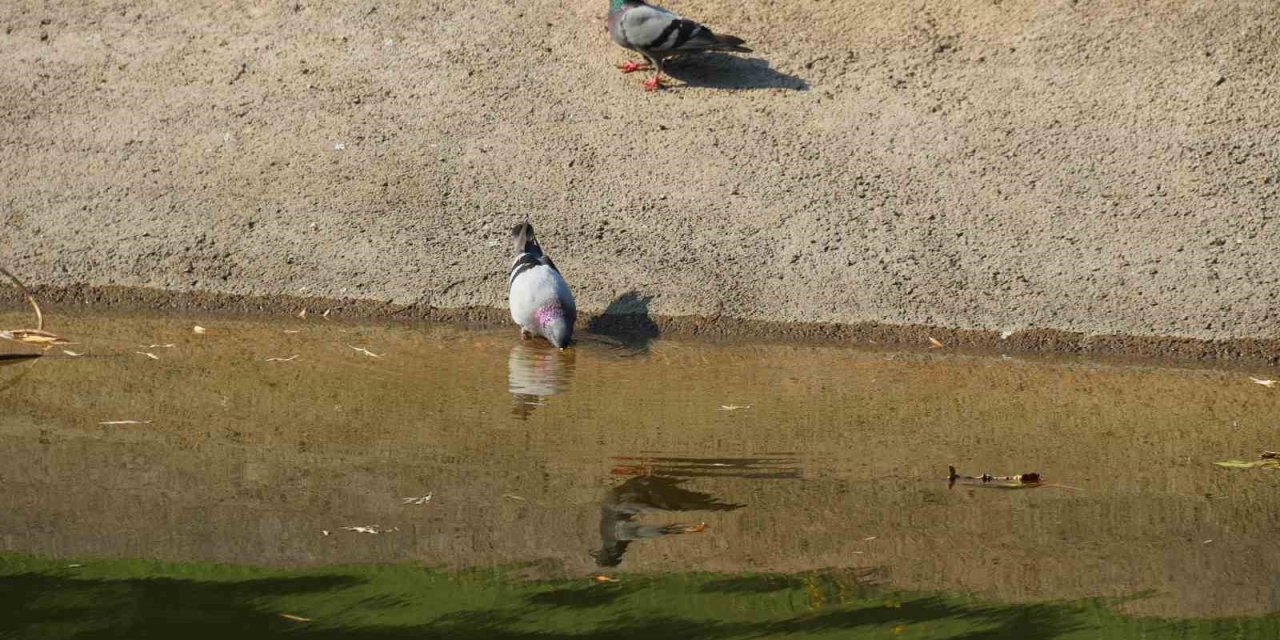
(697, 528)
(1271, 463)
(512, 496)
(604, 578)
(303, 313)
(71, 353)
(74, 566)
(734, 407)
(148, 354)
(373, 528)
(869, 538)
(1269, 455)
(199, 329)
(126, 422)
(325, 315)
(33, 336)
(324, 531)
(423, 500)
(293, 331)
(290, 616)
(160, 346)
(1206, 542)
(289, 359)
(898, 630)
(367, 352)
(934, 343)
(1265, 383)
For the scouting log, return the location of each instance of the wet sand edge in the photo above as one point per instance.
(1242, 351)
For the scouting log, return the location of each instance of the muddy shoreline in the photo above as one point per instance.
(1236, 352)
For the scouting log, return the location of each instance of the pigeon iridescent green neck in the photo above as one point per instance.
(614, 5)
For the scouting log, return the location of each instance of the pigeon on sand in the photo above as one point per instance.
(658, 34)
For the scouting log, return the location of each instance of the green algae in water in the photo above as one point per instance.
(55, 599)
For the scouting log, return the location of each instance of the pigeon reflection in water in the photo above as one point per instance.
(536, 371)
(623, 505)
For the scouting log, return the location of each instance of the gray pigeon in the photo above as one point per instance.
(540, 299)
(657, 34)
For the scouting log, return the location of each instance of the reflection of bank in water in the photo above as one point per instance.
(658, 489)
(536, 371)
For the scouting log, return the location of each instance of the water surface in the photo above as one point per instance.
(270, 442)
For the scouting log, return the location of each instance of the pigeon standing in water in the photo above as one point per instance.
(540, 299)
(657, 34)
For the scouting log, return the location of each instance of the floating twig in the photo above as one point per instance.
(36, 336)
(6, 358)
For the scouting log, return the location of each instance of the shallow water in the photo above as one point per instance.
(262, 441)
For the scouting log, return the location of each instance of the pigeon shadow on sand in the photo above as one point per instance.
(716, 70)
(626, 322)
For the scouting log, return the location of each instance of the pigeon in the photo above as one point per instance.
(657, 34)
(540, 299)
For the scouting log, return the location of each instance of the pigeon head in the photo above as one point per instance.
(608, 555)
(555, 325)
(523, 240)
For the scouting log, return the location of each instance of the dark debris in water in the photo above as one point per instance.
(1022, 481)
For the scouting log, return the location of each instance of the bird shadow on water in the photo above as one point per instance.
(723, 71)
(625, 323)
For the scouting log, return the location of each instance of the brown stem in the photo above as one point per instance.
(31, 299)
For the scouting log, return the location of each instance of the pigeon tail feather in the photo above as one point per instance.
(732, 43)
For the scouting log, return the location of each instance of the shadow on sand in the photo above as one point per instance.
(723, 71)
(626, 322)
